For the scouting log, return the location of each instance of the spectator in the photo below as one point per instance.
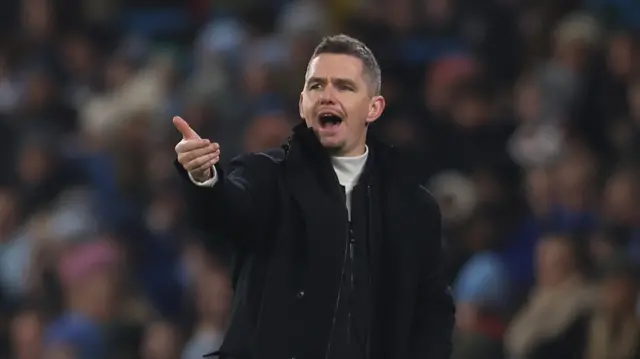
(613, 331)
(27, 334)
(551, 324)
(88, 275)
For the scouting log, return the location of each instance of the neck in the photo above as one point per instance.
(357, 151)
(361, 151)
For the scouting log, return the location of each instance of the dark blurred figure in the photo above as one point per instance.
(162, 341)
(482, 291)
(552, 323)
(621, 203)
(614, 330)
(89, 276)
(213, 295)
(27, 330)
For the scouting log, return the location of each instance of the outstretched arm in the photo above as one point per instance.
(216, 201)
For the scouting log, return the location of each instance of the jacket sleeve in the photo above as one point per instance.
(232, 205)
(435, 312)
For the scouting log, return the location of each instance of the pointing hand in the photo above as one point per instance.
(196, 155)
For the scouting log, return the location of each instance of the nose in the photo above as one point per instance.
(327, 96)
(326, 101)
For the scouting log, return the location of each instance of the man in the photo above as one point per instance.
(338, 250)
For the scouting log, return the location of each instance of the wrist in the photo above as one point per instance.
(203, 176)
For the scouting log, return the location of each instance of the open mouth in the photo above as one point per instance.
(330, 119)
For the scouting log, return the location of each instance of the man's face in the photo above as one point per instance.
(337, 103)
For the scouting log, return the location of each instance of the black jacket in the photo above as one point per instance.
(285, 215)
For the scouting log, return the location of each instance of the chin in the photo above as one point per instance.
(331, 144)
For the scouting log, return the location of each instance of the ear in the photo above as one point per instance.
(300, 106)
(376, 107)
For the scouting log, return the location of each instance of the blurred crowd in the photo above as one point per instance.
(523, 115)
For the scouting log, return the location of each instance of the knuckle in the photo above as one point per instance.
(191, 155)
(201, 160)
(198, 162)
(201, 153)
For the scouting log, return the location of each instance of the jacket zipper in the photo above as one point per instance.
(342, 271)
(369, 277)
(351, 281)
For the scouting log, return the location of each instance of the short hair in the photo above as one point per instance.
(347, 45)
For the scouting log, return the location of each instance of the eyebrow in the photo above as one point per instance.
(337, 81)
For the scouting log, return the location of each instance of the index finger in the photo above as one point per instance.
(187, 132)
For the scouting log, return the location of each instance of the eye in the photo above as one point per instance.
(315, 86)
(345, 87)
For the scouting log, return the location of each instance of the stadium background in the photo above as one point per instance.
(523, 115)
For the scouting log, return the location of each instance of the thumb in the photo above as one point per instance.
(187, 132)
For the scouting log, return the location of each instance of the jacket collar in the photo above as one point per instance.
(304, 139)
(303, 146)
